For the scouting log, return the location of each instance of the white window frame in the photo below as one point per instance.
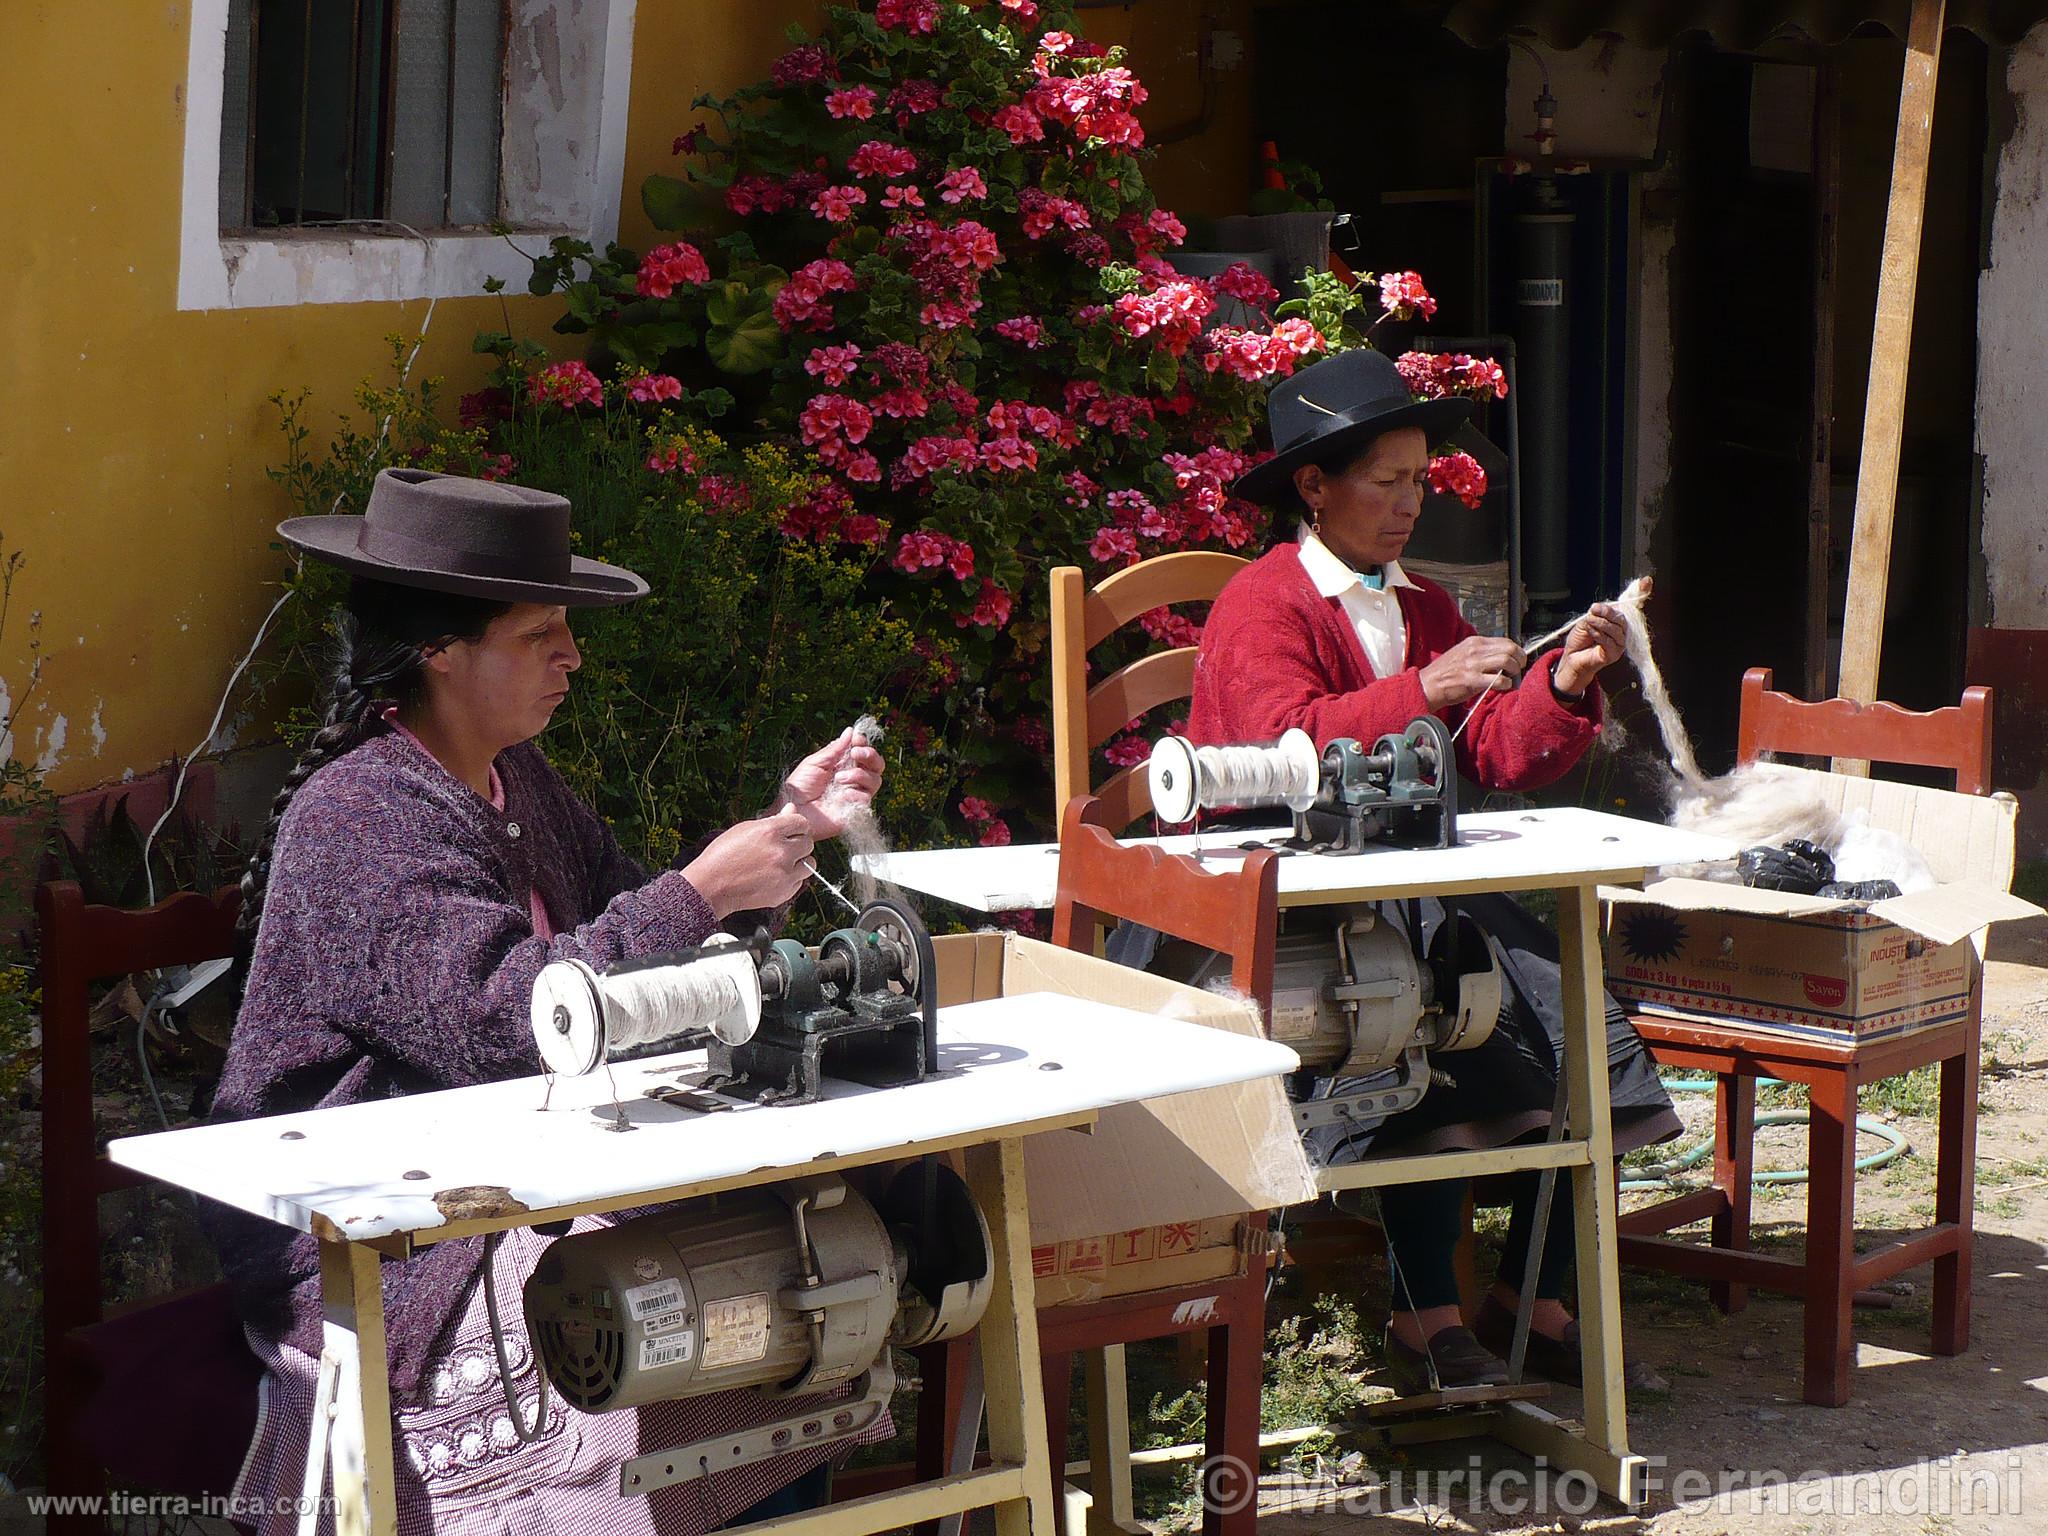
(580, 198)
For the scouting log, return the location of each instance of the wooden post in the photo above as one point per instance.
(1827, 200)
(1891, 343)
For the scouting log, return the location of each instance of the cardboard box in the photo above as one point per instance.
(1155, 1195)
(1829, 970)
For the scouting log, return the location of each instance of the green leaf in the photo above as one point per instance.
(667, 201)
(1162, 372)
(743, 336)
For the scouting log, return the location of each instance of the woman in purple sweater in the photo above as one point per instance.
(421, 864)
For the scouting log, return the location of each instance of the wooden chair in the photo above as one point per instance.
(1083, 718)
(187, 1346)
(1234, 913)
(1829, 1274)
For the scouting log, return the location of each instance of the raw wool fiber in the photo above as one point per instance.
(1758, 804)
(1636, 633)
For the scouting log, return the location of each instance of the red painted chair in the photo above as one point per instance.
(163, 1394)
(1234, 913)
(1829, 1273)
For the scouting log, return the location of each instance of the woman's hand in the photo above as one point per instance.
(833, 784)
(759, 863)
(1595, 642)
(1475, 665)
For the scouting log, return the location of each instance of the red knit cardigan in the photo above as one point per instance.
(1277, 654)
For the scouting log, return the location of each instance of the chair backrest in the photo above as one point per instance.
(82, 943)
(1957, 738)
(1083, 718)
(1233, 911)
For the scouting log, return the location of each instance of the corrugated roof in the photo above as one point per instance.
(1730, 23)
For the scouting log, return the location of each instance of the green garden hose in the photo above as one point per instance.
(1659, 1175)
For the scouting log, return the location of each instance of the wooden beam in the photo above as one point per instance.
(1827, 200)
(1891, 343)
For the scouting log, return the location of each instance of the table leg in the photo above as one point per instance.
(1109, 1442)
(1009, 1342)
(1585, 1066)
(360, 1443)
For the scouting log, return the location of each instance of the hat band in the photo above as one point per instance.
(1332, 421)
(402, 549)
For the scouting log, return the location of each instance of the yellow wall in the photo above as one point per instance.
(134, 438)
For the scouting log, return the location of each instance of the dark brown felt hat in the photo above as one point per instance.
(478, 538)
(1338, 406)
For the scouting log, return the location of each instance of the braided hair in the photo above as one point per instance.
(384, 634)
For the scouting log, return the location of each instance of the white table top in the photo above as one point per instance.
(350, 1164)
(1497, 851)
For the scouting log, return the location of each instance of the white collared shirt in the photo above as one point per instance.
(1376, 615)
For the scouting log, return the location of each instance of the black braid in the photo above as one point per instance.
(384, 632)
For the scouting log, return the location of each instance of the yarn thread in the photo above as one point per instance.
(663, 1001)
(1253, 776)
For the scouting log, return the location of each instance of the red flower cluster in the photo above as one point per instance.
(1022, 329)
(1459, 475)
(836, 205)
(995, 832)
(672, 458)
(913, 16)
(880, 158)
(755, 193)
(1433, 375)
(1256, 355)
(803, 66)
(1127, 751)
(806, 298)
(835, 365)
(1403, 297)
(668, 267)
(855, 101)
(1246, 284)
(957, 186)
(1098, 105)
(652, 388)
(923, 550)
(567, 384)
(1172, 313)
(991, 608)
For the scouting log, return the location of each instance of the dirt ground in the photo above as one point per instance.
(1926, 1444)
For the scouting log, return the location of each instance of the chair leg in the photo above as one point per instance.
(1734, 1162)
(1955, 1181)
(1058, 1373)
(949, 1407)
(1230, 1472)
(1830, 1239)
(1111, 1507)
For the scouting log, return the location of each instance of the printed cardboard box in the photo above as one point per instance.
(1831, 970)
(1156, 1194)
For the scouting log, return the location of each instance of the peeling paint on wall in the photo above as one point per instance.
(53, 745)
(2012, 335)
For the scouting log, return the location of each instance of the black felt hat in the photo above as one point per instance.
(1336, 406)
(479, 538)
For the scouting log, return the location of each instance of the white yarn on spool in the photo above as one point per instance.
(580, 1018)
(1185, 778)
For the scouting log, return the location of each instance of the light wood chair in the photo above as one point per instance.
(1083, 718)
(1829, 1273)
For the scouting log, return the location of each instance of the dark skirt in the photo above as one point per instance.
(1497, 1093)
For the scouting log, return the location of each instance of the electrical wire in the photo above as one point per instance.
(1659, 1175)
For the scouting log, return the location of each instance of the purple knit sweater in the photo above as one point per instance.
(397, 955)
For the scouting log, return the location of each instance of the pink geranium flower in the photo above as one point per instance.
(1403, 297)
(835, 205)
(957, 186)
(567, 384)
(650, 388)
(855, 101)
(835, 365)
(1459, 475)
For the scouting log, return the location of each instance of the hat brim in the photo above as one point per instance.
(591, 583)
(1264, 482)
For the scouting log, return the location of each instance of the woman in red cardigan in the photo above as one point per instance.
(1327, 633)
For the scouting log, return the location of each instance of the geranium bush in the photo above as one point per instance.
(950, 283)
(753, 645)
